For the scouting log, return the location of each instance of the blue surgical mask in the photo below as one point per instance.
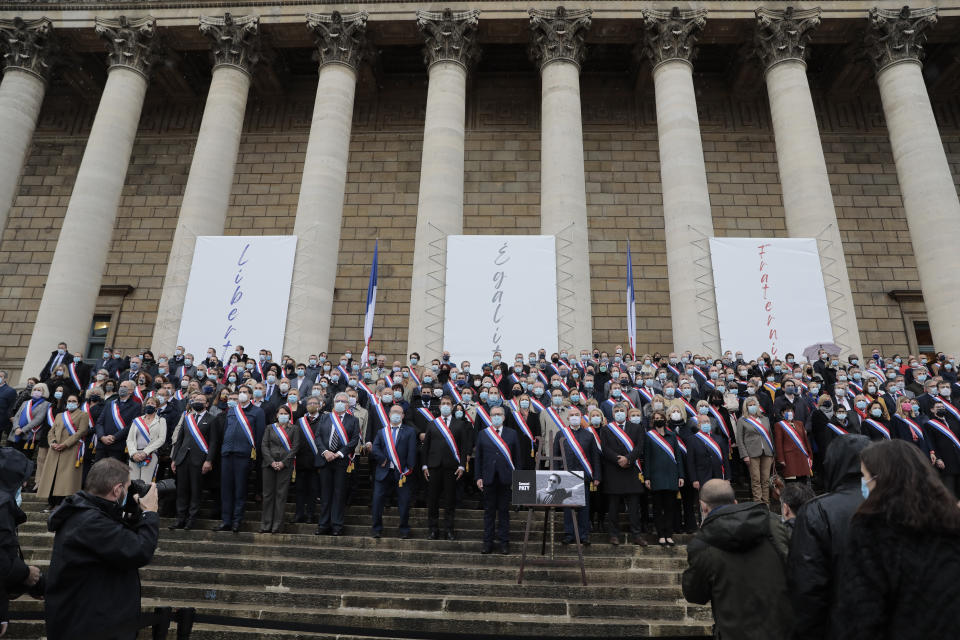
(18, 497)
(496, 420)
(864, 489)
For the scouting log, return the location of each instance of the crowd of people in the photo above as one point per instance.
(647, 432)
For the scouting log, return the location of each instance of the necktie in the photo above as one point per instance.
(334, 437)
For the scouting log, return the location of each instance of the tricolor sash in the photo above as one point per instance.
(771, 387)
(484, 416)
(501, 445)
(837, 429)
(445, 432)
(543, 378)
(644, 394)
(183, 372)
(193, 428)
(674, 370)
(856, 386)
(756, 424)
(563, 385)
(661, 441)
(117, 418)
(514, 379)
(689, 407)
(343, 372)
(370, 393)
(577, 449)
(915, 429)
(626, 440)
(337, 423)
(27, 416)
(142, 427)
(308, 433)
(682, 445)
(945, 430)
(393, 454)
(949, 407)
(259, 368)
(72, 368)
(879, 427)
(554, 368)
(596, 437)
(179, 394)
(719, 417)
(790, 431)
(68, 423)
(245, 425)
(452, 390)
(284, 439)
(416, 378)
(518, 418)
(712, 445)
(876, 374)
(536, 403)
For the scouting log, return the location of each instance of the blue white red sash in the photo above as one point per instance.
(682, 445)
(949, 407)
(183, 372)
(661, 442)
(689, 407)
(791, 432)
(856, 386)
(697, 371)
(514, 378)
(712, 445)
(68, 423)
(915, 429)
(452, 390)
(284, 439)
(879, 427)
(416, 378)
(501, 445)
(444, 431)
(837, 429)
(370, 393)
(625, 440)
(392, 451)
(945, 430)
(86, 410)
(674, 370)
(772, 387)
(343, 372)
(193, 428)
(543, 378)
(644, 394)
(522, 424)
(762, 431)
(179, 394)
(72, 368)
(259, 368)
(117, 418)
(142, 427)
(245, 425)
(577, 449)
(876, 374)
(337, 423)
(27, 416)
(563, 385)
(719, 417)
(308, 434)
(596, 437)
(554, 368)
(536, 403)
(484, 416)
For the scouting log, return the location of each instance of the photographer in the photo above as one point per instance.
(17, 577)
(102, 539)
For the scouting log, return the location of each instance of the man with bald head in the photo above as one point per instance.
(336, 437)
(115, 421)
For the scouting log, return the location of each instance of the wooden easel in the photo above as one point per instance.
(549, 523)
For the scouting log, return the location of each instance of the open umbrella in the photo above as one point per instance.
(812, 353)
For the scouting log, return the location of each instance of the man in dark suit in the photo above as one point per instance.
(242, 417)
(111, 431)
(8, 398)
(306, 483)
(585, 443)
(443, 466)
(78, 371)
(133, 370)
(191, 458)
(495, 454)
(108, 362)
(387, 476)
(332, 463)
(57, 357)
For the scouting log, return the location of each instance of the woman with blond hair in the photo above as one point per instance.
(147, 434)
(755, 444)
(62, 470)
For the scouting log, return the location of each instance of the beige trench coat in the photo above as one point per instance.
(60, 473)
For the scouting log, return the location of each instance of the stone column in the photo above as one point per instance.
(73, 283)
(781, 41)
(687, 220)
(26, 53)
(558, 48)
(341, 46)
(895, 43)
(206, 198)
(450, 47)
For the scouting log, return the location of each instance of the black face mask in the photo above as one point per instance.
(93, 399)
(554, 359)
(197, 406)
(659, 424)
(149, 409)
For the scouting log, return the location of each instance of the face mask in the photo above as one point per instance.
(685, 392)
(669, 392)
(864, 489)
(557, 401)
(862, 404)
(71, 406)
(574, 421)
(658, 406)
(636, 419)
(619, 416)
(705, 427)
(496, 420)
(662, 376)
(396, 418)
(945, 392)
(459, 414)
(58, 394)
(149, 409)
(339, 406)
(752, 409)
(841, 416)
(243, 398)
(445, 410)
(397, 395)
(921, 378)
(788, 416)
(876, 412)
(231, 403)
(574, 397)
(123, 392)
(596, 420)
(675, 416)
(271, 379)
(703, 410)
(659, 424)
(387, 398)
(789, 390)
(484, 396)
(751, 391)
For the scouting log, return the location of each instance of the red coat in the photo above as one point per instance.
(791, 461)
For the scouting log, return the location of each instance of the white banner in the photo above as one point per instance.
(501, 295)
(238, 293)
(770, 295)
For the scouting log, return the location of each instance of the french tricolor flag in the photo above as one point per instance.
(631, 306)
(371, 305)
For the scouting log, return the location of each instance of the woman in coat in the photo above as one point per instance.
(875, 424)
(279, 449)
(30, 419)
(903, 550)
(755, 445)
(63, 469)
(794, 452)
(663, 475)
(147, 434)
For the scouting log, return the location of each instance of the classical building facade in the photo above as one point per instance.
(128, 129)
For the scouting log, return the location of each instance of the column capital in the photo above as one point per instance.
(449, 36)
(130, 43)
(235, 40)
(898, 35)
(783, 35)
(27, 45)
(670, 35)
(559, 35)
(340, 38)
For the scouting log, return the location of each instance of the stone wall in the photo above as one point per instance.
(502, 185)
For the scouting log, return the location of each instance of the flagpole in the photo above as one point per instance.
(371, 305)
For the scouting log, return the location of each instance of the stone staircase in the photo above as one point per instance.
(400, 588)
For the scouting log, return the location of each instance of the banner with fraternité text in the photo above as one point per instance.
(770, 295)
(501, 295)
(237, 294)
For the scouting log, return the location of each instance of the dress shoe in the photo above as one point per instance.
(190, 525)
(177, 525)
(223, 527)
(671, 543)
(486, 549)
(434, 535)
(265, 530)
(405, 536)
(321, 532)
(638, 540)
(337, 532)
(451, 536)
(615, 541)
(505, 549)
(585, 542)
(236, 528)
(375, 535)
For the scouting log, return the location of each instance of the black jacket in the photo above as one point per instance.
(899, 584)
(15, 468)
(817, 548)
(435, 451)
(186, 448)
(93, 585)
(737, 564)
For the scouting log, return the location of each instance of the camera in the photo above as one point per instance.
(140, 488)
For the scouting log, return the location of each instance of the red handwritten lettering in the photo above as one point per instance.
(768, 303)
